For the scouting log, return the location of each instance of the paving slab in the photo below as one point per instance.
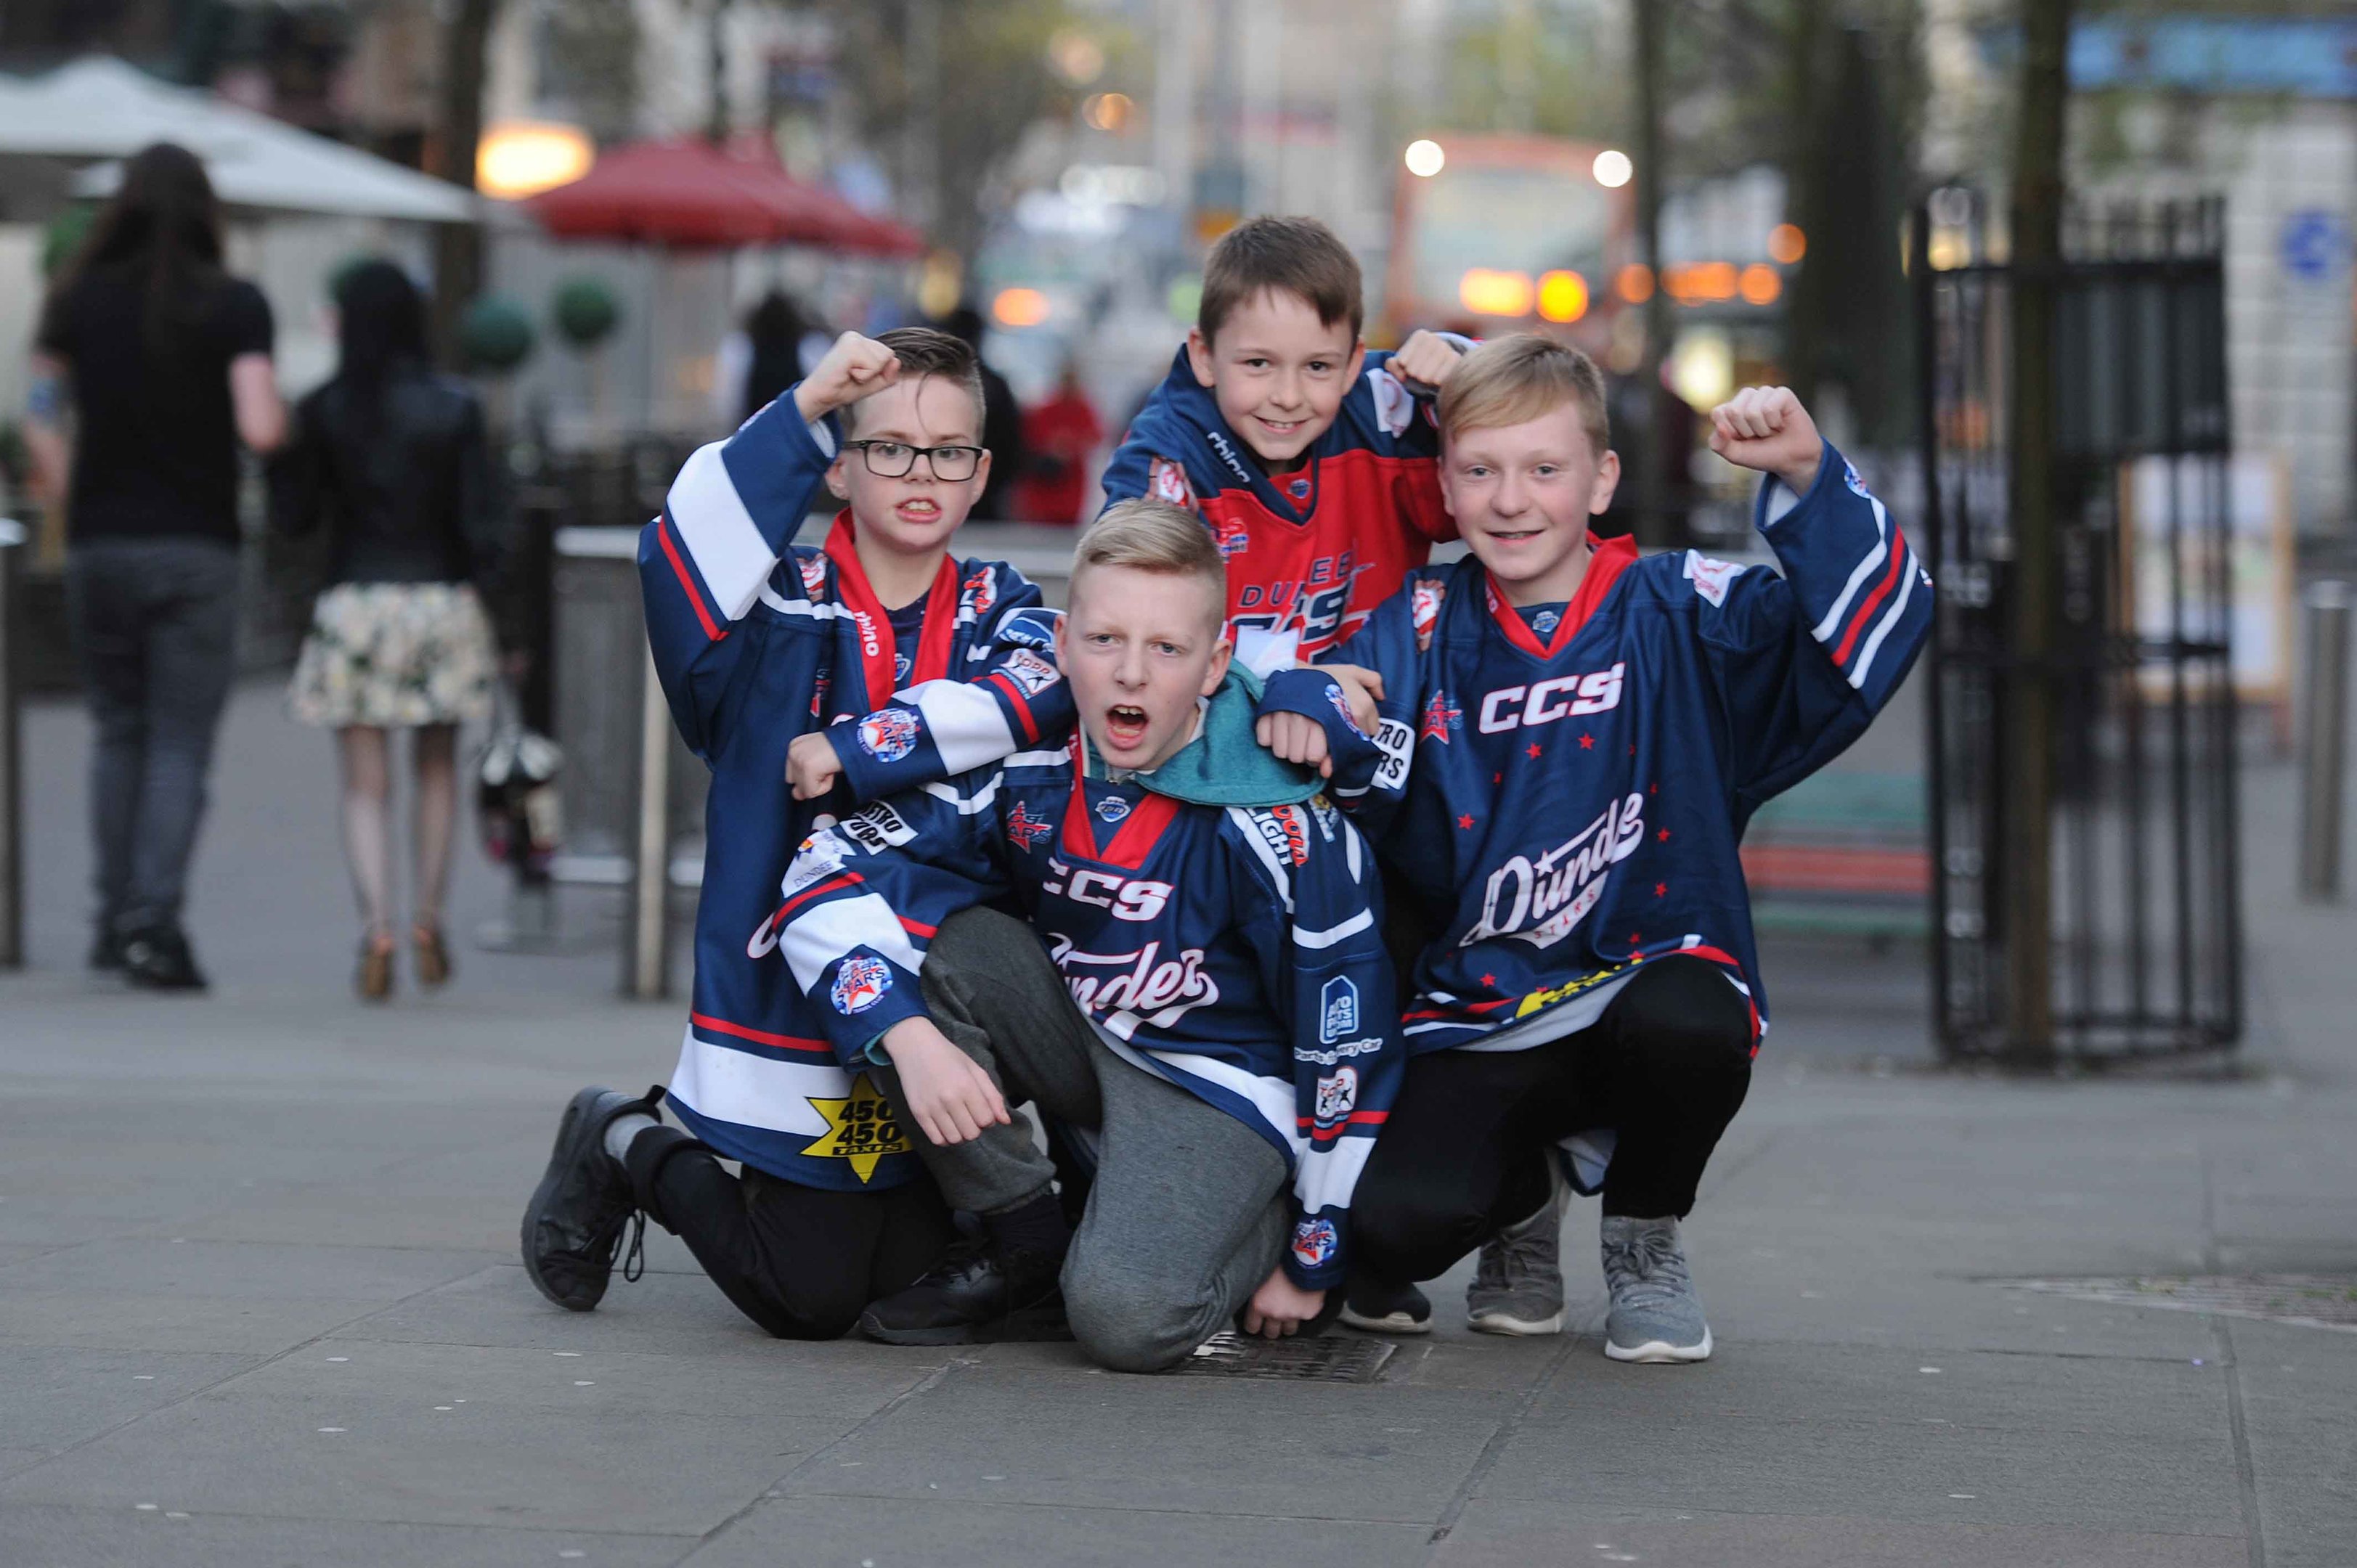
(460, 1435)
(2099, 1443)
(174, 1295)
(2298, 1389)
(864, 1530)
(1087, 1438)
(1494, 1533)
(130, 1537)
(60, 1396)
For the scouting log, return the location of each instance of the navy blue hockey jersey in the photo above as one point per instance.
(757, 641)
(1236, 952)
(1574, 802)
(1310, 553)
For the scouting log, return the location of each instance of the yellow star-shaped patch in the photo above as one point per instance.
(861, 1129)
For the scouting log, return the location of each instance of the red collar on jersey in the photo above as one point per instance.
(1608, 559)
(878, 652)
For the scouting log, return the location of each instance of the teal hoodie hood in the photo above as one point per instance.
(1225, 763)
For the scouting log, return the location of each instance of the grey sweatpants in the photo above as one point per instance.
(1189, 1212)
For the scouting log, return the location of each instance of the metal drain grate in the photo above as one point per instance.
(1330, 1358)
(2314, 1301)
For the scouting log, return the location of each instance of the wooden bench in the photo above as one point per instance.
(1842, 853)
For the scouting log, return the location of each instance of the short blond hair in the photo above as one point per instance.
(1149, 535)
(1516, 379)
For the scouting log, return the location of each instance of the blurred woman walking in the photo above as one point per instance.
(392, 459)
(163, 360)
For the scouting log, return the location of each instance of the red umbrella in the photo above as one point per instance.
(861, 231)
(686, 194)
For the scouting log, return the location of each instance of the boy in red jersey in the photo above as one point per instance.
(1313, 461)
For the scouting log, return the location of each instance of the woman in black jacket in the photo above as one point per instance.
(393, 459)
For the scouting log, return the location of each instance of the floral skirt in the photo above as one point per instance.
(394, 654)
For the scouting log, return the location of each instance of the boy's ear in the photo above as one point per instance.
(1222, 652)
(836, 484)
(981, 479)
(1358, 363)
(1599, 494)
(1198, 356)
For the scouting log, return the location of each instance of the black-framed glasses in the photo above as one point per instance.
(895, 459)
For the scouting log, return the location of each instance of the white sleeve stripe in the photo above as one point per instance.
(785, 606)
(819, 935)
(967, 805)
(1329, 1177)
(1825, 630)
(1252, 840)
(1038, 759)
(1351, 853)
(968, 729)
(1332, 934)
(1907, 571)
(719, 533)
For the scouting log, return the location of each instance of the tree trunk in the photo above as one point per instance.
(2031, 730)
(457, 129)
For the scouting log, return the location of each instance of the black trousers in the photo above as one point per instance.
(1464, 1154)
(801, 1261)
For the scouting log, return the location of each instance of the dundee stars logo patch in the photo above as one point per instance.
(860, 1128)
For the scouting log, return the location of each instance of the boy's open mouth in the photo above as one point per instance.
(918, 510)
(1124, 726)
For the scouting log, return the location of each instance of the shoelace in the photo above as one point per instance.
(1649, 1267)
(1515, 1257)
(634, 1260)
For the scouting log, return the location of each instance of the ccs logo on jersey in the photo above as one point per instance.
(1543, 702)
(859, 984)
(1337, 1094)
(1112, 809)
(1338, 1009)
(1024, 829)
(1167, 481)
(888, 735)
(1315, 1242)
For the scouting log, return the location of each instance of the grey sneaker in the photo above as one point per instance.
(1655, 1316)
(1517, 1284)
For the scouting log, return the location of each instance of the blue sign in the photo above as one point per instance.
(2314, 244)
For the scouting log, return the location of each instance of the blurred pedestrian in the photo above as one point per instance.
(764, 357)
(1058, 437)
(392, 459)
(1002, 422)
(165, 361)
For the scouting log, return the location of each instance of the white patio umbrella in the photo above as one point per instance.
(98, 110)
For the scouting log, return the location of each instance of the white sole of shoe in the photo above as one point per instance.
(1516, 1327)
(1657, 1352)
(1390, 1323)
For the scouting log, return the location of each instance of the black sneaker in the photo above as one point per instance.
(974, 1296)
(1386, 1309)
(572, 1227)
(159, 958)
(105, 949)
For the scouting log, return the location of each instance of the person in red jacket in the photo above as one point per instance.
(1058, 436)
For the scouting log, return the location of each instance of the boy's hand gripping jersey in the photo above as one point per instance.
(1234, 953)
(1310, 553)
(757, 641)
(1575, 803)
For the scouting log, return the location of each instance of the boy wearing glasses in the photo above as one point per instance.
(809, 679)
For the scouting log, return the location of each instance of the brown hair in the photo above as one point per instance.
(1148, 535)
(924, 351)
(1517, 378)
(1299, 256)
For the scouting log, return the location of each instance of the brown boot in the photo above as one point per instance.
(433, 958)
(374, 979)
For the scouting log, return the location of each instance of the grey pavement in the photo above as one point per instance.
(260, 1303)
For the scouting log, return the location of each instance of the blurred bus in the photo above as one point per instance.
(1510, 232)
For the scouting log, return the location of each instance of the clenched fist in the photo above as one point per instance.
(1766, 429)
(855, 368)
